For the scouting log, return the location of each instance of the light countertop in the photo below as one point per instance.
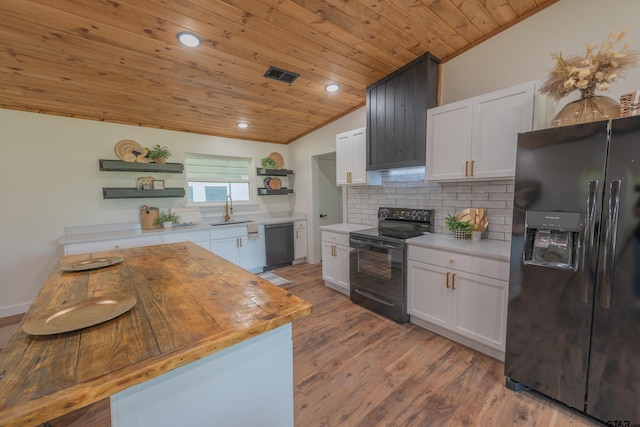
(487, 248)
(345, 227)
(128, 230)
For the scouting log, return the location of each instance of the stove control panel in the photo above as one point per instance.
(405, 214)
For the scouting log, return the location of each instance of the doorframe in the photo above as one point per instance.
(315, 256)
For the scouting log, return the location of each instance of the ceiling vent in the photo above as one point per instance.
(282, 75)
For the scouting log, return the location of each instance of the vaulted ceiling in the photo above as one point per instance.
(119, 60)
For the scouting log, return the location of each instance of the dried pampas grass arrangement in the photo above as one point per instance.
(596, 70)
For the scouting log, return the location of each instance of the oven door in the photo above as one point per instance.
(376, 276)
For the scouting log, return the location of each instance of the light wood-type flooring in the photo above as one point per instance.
(355, 368)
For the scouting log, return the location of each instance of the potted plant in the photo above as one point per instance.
(461, 229)
(268, 163)
(166, 220)
(159, 154)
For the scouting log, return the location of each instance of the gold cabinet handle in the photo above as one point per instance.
(448, 279)
(296, 234)
(453, 281)
(472, 163)
(240, 241)
(466, 168)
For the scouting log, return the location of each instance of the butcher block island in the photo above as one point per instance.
(205, 343)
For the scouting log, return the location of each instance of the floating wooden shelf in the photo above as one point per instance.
(270, 192)
(134, 193)
(120, 166)
(274, 172)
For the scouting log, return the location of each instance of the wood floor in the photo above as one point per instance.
(355, 368)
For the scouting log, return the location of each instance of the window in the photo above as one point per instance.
(210, 179)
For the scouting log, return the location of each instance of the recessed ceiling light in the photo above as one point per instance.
(243, 125)
(332, 87)
(188, 39)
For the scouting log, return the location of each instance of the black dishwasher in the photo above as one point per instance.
(278, 241)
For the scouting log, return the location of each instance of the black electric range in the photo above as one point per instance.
(377, 261)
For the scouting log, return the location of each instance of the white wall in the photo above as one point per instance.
(51, 180)
(523, 52)
(302, 150)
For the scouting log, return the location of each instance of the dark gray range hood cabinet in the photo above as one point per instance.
(397, 115)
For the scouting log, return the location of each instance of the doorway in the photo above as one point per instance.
(327, 199)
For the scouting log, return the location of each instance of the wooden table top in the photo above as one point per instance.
(190, 304)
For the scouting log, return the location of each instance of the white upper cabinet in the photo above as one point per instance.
(476, 139)
(351, 159)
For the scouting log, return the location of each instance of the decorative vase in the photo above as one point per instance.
(161, 160)
(476, 235)
(589, 108)
(167, 224)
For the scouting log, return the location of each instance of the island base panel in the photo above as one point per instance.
(248, 384)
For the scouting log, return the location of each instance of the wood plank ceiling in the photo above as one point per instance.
(119, 60)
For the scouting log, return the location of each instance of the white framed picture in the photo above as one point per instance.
(158, 184)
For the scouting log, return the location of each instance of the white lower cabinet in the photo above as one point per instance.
(110, 245)
(459, 296)
(335, 261)
(299, 240)
(233, 244)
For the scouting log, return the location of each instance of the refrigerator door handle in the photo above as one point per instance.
(608, 256)
(588, 241)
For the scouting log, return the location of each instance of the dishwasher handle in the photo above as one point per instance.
(279, 225)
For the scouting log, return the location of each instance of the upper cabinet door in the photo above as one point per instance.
(498, 117)
(343, 154)
(351, 165)
(476, 139)
(448, 141)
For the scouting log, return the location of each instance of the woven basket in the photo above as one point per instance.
(630, 104)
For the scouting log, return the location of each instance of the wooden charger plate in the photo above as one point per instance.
(79, 315)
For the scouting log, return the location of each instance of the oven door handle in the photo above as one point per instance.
(373, 297)
(375, 243)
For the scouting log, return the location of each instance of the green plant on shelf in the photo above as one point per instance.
(167, 217)
(453, 224)
(268, 163)
(159, 153)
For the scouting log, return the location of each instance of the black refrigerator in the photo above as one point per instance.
(573, 324)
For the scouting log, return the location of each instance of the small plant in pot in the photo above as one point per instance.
(166, 220)
(159, 154)
(460, 229)
(268, 163)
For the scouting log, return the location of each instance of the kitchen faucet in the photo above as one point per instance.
(228, 212)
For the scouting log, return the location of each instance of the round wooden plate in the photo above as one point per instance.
(275, 183)
(124, 150)
(277, 157)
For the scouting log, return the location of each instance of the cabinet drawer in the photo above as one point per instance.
(186, 236)
(297, 225)
(469, 263)
(335, 238)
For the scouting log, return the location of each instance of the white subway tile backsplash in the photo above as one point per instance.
(406, 188)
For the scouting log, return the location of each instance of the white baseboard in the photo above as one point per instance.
(14, 309)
